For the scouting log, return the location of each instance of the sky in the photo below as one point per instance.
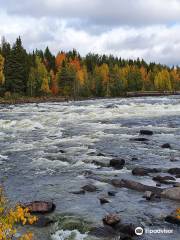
(148, 29)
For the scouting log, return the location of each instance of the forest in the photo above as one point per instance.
(41, 73)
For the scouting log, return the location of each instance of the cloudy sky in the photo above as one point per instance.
(148, 29)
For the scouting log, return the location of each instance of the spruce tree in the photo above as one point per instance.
(17, 69)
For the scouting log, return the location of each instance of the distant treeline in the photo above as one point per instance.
(68, 74)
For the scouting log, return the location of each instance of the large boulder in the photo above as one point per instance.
(146, 132)
(171, 193)
(117, 163)
(140, 171)
(40, 207)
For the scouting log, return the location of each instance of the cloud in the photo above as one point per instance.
(146, 29)
(104, 12)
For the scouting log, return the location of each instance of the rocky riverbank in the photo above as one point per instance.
(44, 99)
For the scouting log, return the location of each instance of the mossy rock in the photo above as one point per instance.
(71, 222)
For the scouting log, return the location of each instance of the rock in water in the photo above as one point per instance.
(117, 163)
(135, 186)
(78, 192)
(139, 139)
(177, 184)
(112, 193)
(166, 145)
(171, 193)
(164, 179)
(40, 207)
(146, 132)
(89, 188)
(43, 222)
(140, 171)
(174, 171)
(127, 229)
(111, 219)
(106, 232)
(174, 218)
(103, 200)
(148, 195)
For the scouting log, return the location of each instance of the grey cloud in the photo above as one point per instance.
(103, 12)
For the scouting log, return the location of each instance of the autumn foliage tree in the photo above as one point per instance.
(162, 81)
(10, 217)
(68, 74)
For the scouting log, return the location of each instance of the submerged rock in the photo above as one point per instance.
(105, 231)
(117, 163)
(101, 154)
(146, 132)
(174, 217)
(139, 139)
(177, 184)
(78, 192)
(43, 221)
(127, 229)
(101, 163)
(40, 207)
(111, 219)
(148, 195)
(174, 171)
(103, 200)
(112, 193)
(89, 188)
(140, 171)
(164, 179)
(73, 222)
(166, 145)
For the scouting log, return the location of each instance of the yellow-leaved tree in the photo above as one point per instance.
(9, 217)
(162, 81)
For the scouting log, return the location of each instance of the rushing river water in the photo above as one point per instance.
(46, 148)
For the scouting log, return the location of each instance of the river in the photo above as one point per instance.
(45, 149)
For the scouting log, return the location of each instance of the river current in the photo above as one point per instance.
(46, 148)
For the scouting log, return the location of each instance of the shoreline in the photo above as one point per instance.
(25, 100)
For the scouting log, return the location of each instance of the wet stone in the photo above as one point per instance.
(112, 193)
(117, 163)
(89, 188)
(146, 132)
(111, 219)
(166, 145)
